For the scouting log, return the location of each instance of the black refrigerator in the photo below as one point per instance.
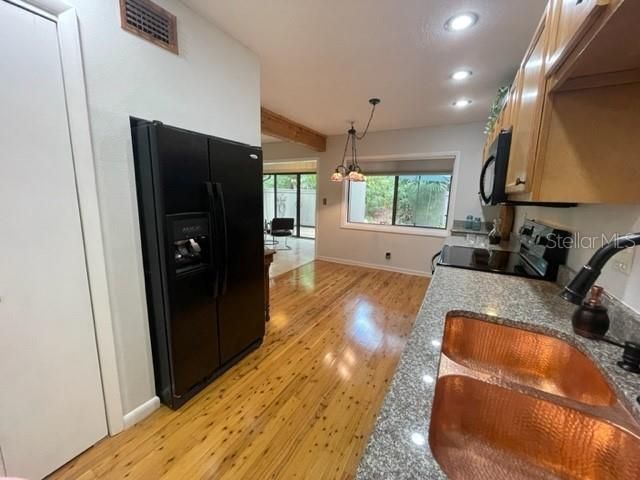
(200, 210)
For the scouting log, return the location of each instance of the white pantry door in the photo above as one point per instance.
(51, 401)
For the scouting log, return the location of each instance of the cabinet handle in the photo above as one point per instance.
(518, 181)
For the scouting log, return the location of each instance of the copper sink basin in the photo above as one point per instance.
(483, 431)
(515, 404)
(539, 361)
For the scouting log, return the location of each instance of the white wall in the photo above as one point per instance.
(408, 252)
(213, 86)
(594, 220)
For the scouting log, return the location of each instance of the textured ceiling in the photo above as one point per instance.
(322, 59)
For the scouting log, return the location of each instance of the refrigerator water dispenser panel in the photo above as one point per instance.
(190, 241)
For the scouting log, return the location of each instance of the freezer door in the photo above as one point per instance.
(237, 170)
(182, 159)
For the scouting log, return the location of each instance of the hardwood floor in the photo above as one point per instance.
(302, 252)
(301, 406)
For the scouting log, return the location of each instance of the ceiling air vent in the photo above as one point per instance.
(151, 22)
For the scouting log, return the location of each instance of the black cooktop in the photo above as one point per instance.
(542, 250)
(508, 263)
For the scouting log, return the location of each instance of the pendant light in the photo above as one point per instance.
(352, 171)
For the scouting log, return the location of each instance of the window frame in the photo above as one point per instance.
(298, 174)
(406, 229)
(395, 199)
(394, 206)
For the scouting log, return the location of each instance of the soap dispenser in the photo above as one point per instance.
(591, 319)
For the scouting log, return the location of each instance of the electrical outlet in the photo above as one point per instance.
(623, 260)
(387, 255)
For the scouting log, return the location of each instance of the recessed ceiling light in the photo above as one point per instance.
(462, 103)
(461, 21)
(461, 74)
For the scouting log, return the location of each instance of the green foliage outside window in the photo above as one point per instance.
(287, 181)
(308, 181)
(420, 200)
(379, 199)
(423, 200)
(268, 181)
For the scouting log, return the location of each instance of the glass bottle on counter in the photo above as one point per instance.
(494, 235)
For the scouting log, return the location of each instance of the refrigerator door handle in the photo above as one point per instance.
(214, 239)
(225, 248)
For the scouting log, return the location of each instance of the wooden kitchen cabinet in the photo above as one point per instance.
(529, 98)
(574, 107)
(603, 50)
(569, 20)
(506, 120)
(590, 147)
(503, 122)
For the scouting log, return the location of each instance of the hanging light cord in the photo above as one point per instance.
(352, 136)
(354, 151)
(344, 154)
(360, 137)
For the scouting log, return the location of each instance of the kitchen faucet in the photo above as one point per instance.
(577, 289)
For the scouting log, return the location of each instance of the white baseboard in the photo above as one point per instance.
(141, 412)
(344, 261)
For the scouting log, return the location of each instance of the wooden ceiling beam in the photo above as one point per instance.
(276, 125)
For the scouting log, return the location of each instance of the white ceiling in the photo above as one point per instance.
(322, 59)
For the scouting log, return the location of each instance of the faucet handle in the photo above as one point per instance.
(630, 357)
(595, 296)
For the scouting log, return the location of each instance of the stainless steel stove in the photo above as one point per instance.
(542, 250)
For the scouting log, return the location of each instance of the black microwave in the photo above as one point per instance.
(493, 176)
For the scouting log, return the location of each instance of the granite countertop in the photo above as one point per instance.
(468, 231)
(398, 448)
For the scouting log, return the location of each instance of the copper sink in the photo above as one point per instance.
(483, 431)
(539, 361)
(514, 404)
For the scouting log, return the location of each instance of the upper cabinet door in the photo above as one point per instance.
(569, 21)
(526, 115)
(506, 117)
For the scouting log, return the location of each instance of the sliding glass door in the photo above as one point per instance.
(307, 195)
(268, 187)
(292, 195)
(287, 198)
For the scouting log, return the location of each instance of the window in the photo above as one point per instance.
(268, 184)
(420, 200)
(291, 195)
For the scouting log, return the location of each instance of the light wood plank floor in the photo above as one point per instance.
(302, 252)
(301, 406)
